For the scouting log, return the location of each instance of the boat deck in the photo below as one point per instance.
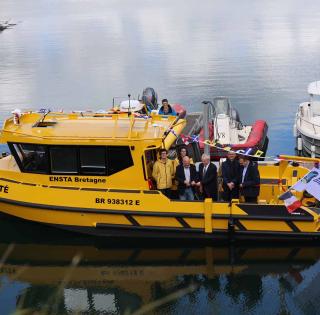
(66, 126)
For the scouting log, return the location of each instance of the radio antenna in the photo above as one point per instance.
(129, 109)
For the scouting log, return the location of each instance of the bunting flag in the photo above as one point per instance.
(195, 138)
(290, 201)
(252, 152)
(173, 132)
(138, 115)
(185, 139)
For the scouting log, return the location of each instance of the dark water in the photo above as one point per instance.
(79, 55)
(51, 272)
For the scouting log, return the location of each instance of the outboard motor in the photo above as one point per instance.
(236, 118)
(221, 105)
(150, 98)
(234, 114)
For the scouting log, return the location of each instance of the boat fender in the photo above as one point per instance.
(180, 110)
(299, 144)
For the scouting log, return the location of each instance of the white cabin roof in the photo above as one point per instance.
(130, 105)
(314, 88)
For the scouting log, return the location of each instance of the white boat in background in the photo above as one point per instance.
(226, 129)
(307, 123)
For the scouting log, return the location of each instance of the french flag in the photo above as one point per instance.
(185, 139)
(290, 201)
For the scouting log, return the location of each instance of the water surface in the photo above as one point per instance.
(79, 54)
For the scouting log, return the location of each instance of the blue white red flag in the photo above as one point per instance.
(290, 201)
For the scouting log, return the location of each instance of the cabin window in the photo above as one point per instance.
(93, 160)
(64, 160)
(60, 159)
(33, 158)
(119, 158)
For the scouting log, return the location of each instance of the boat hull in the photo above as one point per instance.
(307, 142)
(73, 205)
(262, 222)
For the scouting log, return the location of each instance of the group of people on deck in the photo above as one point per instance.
(240, 177)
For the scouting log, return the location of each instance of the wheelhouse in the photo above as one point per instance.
(120, 148)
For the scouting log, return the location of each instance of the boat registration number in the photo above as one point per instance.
(112, 201)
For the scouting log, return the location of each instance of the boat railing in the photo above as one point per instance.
(315, 127)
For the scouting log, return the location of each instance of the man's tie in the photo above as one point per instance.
(204, 170)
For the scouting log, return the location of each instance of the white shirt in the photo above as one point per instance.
(187, 173)
(244, 173)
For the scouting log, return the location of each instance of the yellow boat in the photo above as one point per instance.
(90, 173)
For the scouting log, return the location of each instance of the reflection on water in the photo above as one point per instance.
(61, 274)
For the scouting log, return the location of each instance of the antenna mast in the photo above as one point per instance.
(129, 109)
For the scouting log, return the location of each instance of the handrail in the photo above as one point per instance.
(78, 138)
(310, 123)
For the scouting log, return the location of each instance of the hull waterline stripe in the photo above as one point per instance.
(293, 226)
(132, 220)
(239, 225)
(148, 228)
(183, 223)
(271, 210)
(132, 231)
(264, 217)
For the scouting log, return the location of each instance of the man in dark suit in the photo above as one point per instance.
(187, 177)
(208, 178)
(230, 175)
(249, 180)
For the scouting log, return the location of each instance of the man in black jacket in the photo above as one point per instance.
(187, 177)
(249, 180)
(208, 178)
(230, 175)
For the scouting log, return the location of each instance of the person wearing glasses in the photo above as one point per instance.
(163, 173)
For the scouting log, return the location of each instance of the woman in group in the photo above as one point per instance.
(181, 154)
